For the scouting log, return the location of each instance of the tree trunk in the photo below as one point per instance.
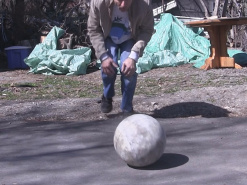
(216, 7)
(205, 8)
(18, 19)
(224, 8)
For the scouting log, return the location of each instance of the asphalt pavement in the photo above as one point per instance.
(199, 151)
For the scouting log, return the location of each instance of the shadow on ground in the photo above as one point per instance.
(167, 161)
(191, 109)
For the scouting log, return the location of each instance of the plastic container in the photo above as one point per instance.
(16, 56)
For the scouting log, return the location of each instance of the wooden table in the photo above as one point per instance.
(217, 30)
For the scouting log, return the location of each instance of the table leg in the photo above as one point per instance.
(219, 56)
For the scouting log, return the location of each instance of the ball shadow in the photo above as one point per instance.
(166, 161)
(188, 109)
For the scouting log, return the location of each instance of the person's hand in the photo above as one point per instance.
(128, 67)
(108, 66)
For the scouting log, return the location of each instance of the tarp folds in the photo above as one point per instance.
(173, 44)
(46, 59)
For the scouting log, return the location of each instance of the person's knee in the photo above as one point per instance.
(130, 78)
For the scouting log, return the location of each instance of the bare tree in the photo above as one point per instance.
(216, 7)
(205, 8)
(224, 8)
(18, 18)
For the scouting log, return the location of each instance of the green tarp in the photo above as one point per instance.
(175, 44)
(46, 59)
(172, 44)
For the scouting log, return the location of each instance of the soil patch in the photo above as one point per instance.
(171, 92)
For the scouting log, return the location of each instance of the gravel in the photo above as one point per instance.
(171, 92)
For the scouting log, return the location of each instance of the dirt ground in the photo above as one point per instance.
(182, 91)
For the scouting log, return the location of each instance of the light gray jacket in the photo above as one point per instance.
(100, 22)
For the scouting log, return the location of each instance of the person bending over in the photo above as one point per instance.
(119, 30)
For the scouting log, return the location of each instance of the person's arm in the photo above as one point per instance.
(97, 39)
(129, 65)
(146, 30)
(94, 29)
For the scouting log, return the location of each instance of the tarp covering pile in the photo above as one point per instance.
(46, 59)
(171, 45)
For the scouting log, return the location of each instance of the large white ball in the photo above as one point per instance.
(139, 140)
